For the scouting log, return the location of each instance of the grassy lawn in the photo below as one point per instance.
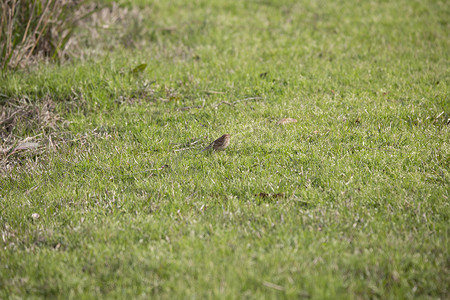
(350, 202)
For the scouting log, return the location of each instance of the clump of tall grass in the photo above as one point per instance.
(37, 28)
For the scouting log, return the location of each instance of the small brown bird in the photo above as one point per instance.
(219, 144)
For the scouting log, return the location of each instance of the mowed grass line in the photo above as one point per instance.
(349, 202)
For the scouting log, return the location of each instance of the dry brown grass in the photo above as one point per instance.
(22, 115)
(26, 127)
(37, 28)
(63, 29)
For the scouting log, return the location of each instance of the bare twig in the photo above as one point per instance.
(237, 101)
(437, 117)
(187, 148)
(190, 107)
(248, 99)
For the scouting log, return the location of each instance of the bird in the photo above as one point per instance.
(219, 144)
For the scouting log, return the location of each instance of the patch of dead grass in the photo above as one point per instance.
(25, 127)
(23, 115)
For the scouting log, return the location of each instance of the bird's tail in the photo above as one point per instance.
(207, 148)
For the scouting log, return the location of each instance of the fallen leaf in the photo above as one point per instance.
(26, 146)
(273, 286)
(139, 69)
(286, 121)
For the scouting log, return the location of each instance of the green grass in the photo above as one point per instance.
(350, 202)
